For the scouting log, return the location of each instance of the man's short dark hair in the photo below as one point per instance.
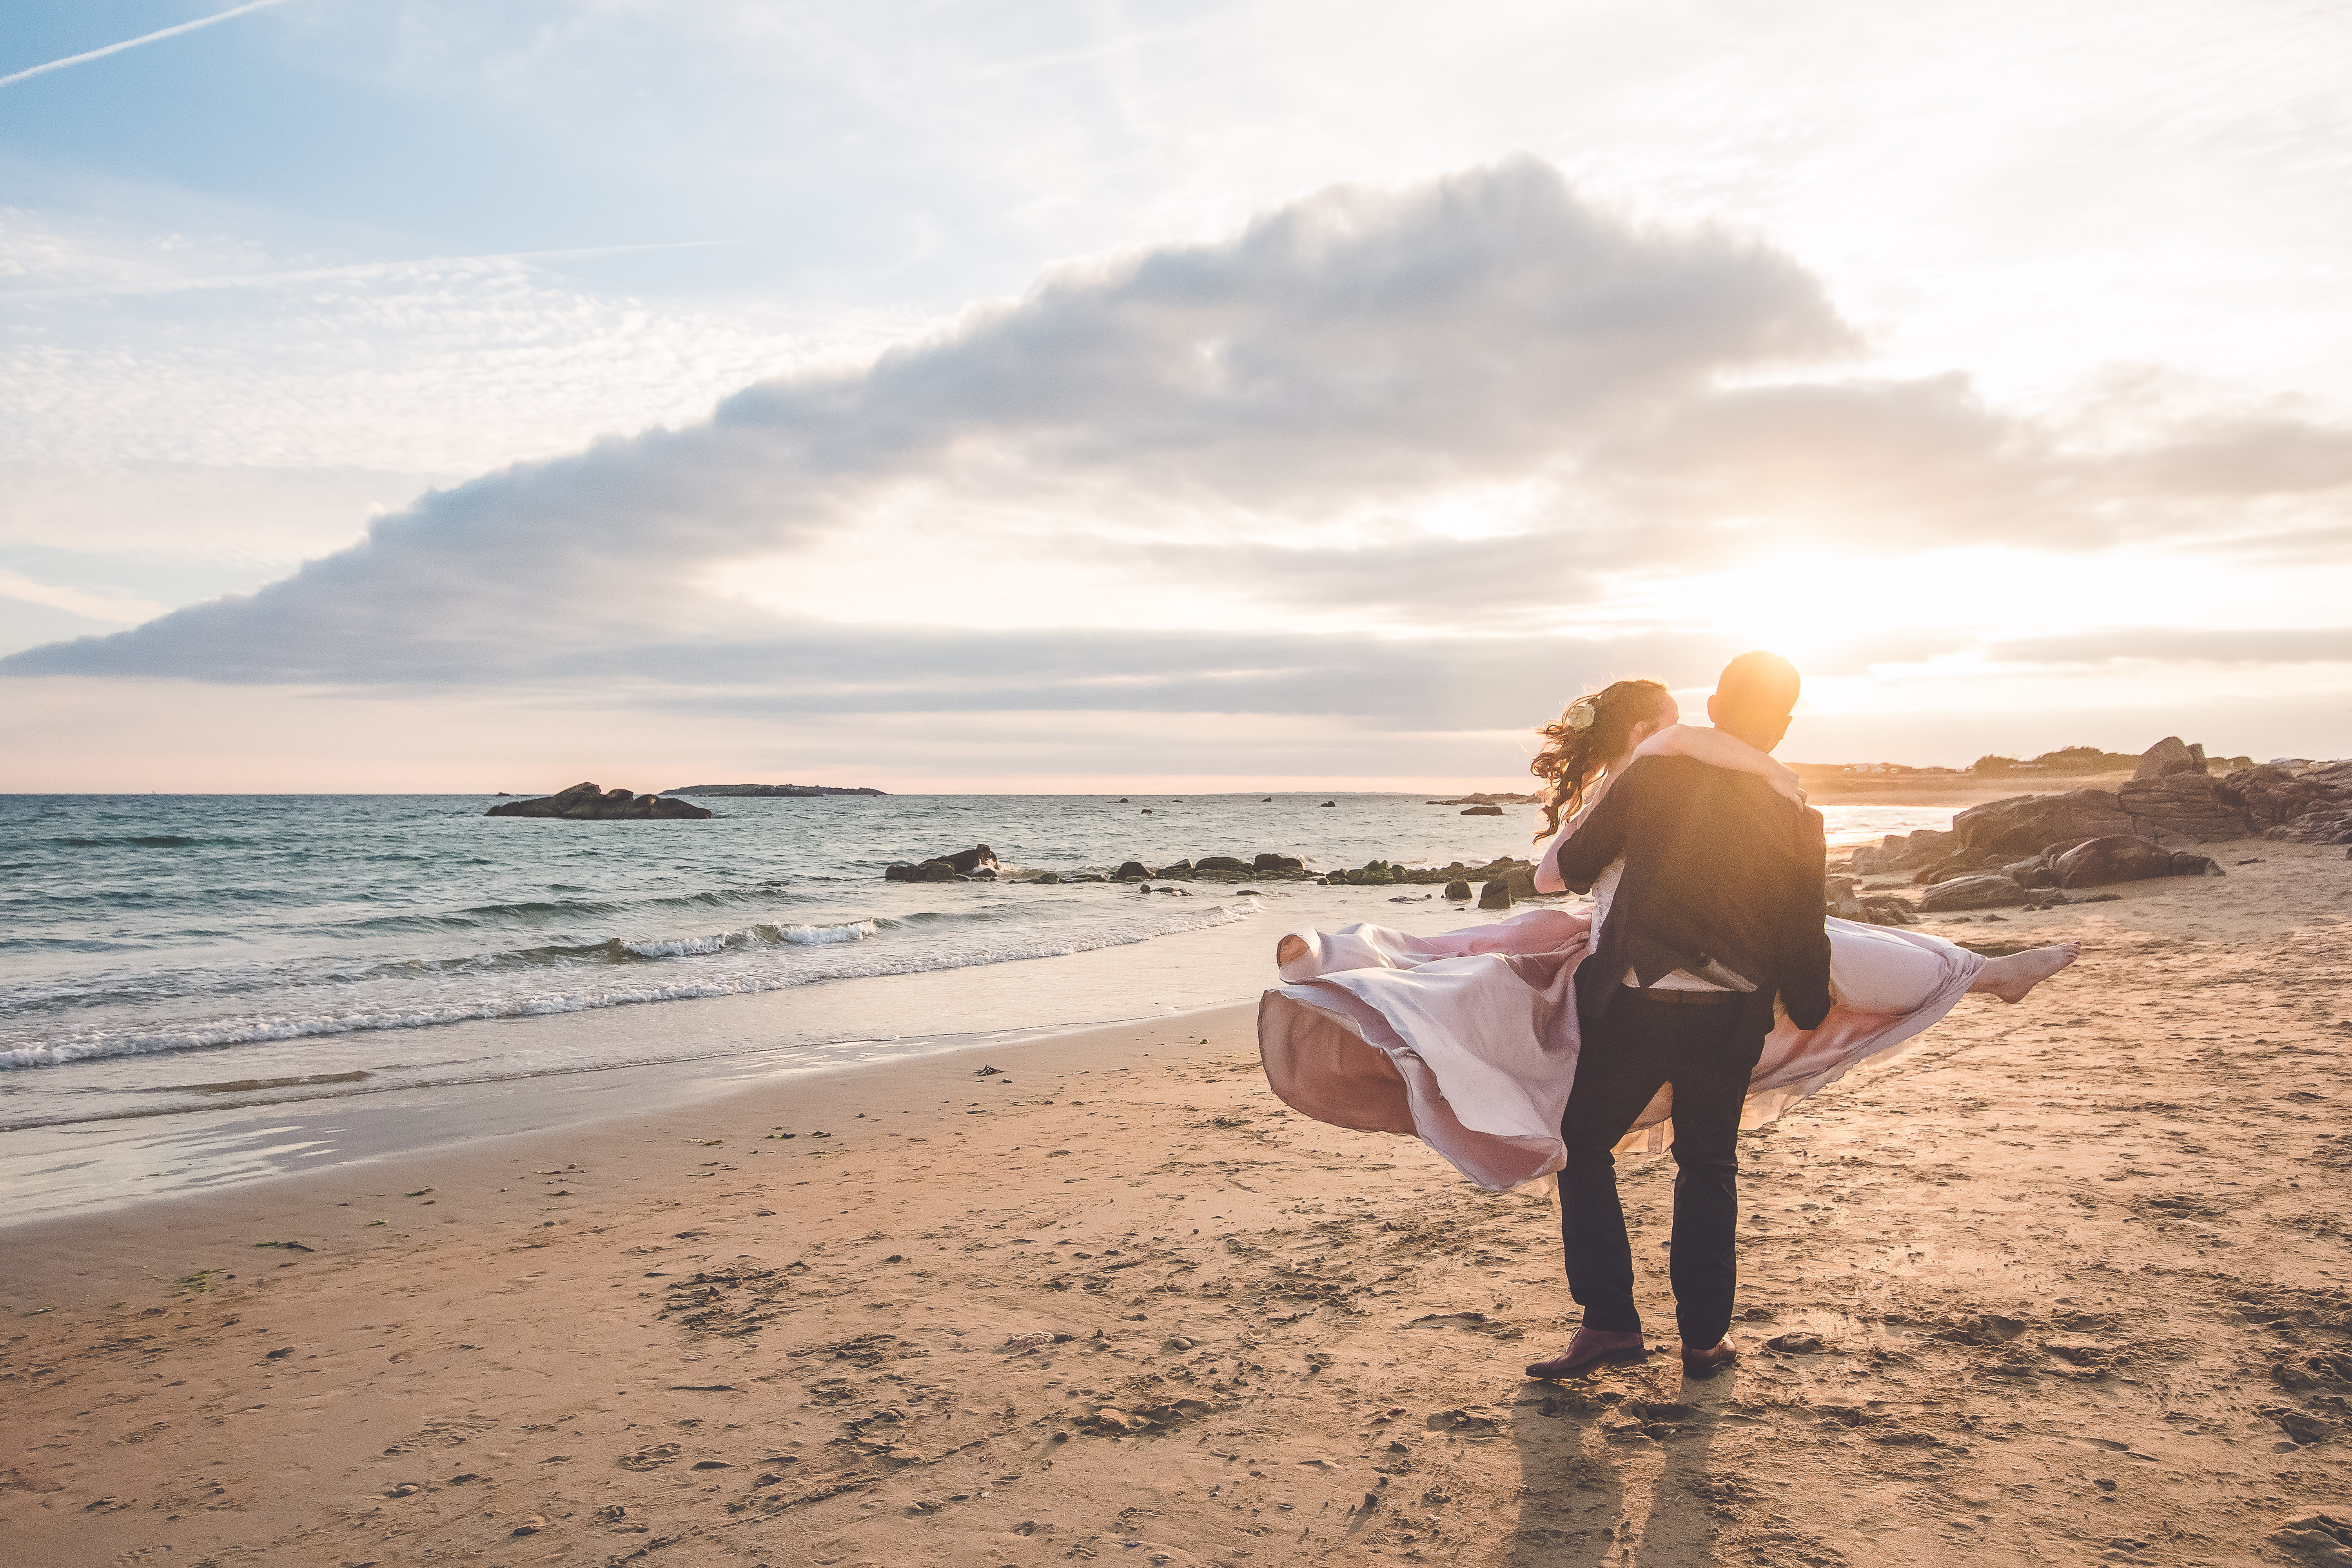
(1760, 687)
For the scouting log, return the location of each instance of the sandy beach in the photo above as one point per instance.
(2069, 1283)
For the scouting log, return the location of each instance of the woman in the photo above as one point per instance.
(1469, 1040)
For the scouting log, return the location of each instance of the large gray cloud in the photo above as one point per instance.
(1355, 350)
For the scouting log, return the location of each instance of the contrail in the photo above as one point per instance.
(134, 43)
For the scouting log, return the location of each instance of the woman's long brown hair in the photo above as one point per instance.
(1570, 756)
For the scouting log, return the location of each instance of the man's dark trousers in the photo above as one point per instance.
(1636, 1045)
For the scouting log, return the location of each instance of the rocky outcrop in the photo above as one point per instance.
(1223, 863)
(1482, 811)
(1458, 889)
(2169, 757)
(974, 865)
(2120, 859)
(1277, 863)
(1132, 871)
(2028, 824)
(796, 791)
(586, 803)
(1495, 896)
(2184, 804)
(2311, 805)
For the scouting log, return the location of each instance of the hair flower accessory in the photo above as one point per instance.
(1582, 716)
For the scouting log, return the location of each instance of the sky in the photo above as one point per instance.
(409, 395)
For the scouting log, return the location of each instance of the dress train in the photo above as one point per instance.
(1468, 1040)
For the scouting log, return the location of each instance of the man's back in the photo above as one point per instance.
(1719, 871)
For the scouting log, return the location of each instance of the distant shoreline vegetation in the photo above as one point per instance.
(790, 789)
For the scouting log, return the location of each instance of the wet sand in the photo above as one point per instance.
(2070, 1283)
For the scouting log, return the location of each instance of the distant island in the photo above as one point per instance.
(769, 789)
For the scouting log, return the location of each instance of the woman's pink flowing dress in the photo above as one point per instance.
(1469, 1041)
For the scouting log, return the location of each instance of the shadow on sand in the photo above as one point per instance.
(1619, 1469)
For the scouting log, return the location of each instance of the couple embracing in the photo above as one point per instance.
(1703, 992)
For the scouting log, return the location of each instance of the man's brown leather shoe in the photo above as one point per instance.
(1710, 1361)
(1590, 1348)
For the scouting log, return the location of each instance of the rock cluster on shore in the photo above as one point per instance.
(2027, 848)
(1506, 878)
(586, 803)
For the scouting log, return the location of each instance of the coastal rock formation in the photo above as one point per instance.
(2120, 859)
(2111, 860)
(2028, 824)
(1132, 871)
(1972, 893)
(797, 791)
(1223, 863)
(1483, 811)
(1277, 863)
(586, 803)
(2168, 757)
(976, 864)
(1458, 889)
(2186, 804)
(2311, 805)
(1495, 896)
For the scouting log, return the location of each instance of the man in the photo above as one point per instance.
(1715, 911)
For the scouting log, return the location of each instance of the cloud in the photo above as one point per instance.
(1356, 345)
(1405, 420)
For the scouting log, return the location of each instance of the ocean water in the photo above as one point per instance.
(163, 954)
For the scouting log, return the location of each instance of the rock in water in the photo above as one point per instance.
(1132, 870)
(2121, 858)
(586, 803)
(1483, 811)
(1222, 863)
(977, 862)
(1330, 802)
(1972, 893)
(1494, 895)
(1277, 863)
(2168, 757)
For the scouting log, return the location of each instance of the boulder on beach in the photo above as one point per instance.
(2168, 757)
(1494, 895)
(2126, 858)
(1458, 889)
(1277, 863)
(1972, 893)
(586, 803)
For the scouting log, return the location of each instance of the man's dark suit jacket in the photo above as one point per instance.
(1717, 866)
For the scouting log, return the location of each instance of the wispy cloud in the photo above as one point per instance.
(361, 271)
(157, 37)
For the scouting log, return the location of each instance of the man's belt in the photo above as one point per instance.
(1687, 998)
